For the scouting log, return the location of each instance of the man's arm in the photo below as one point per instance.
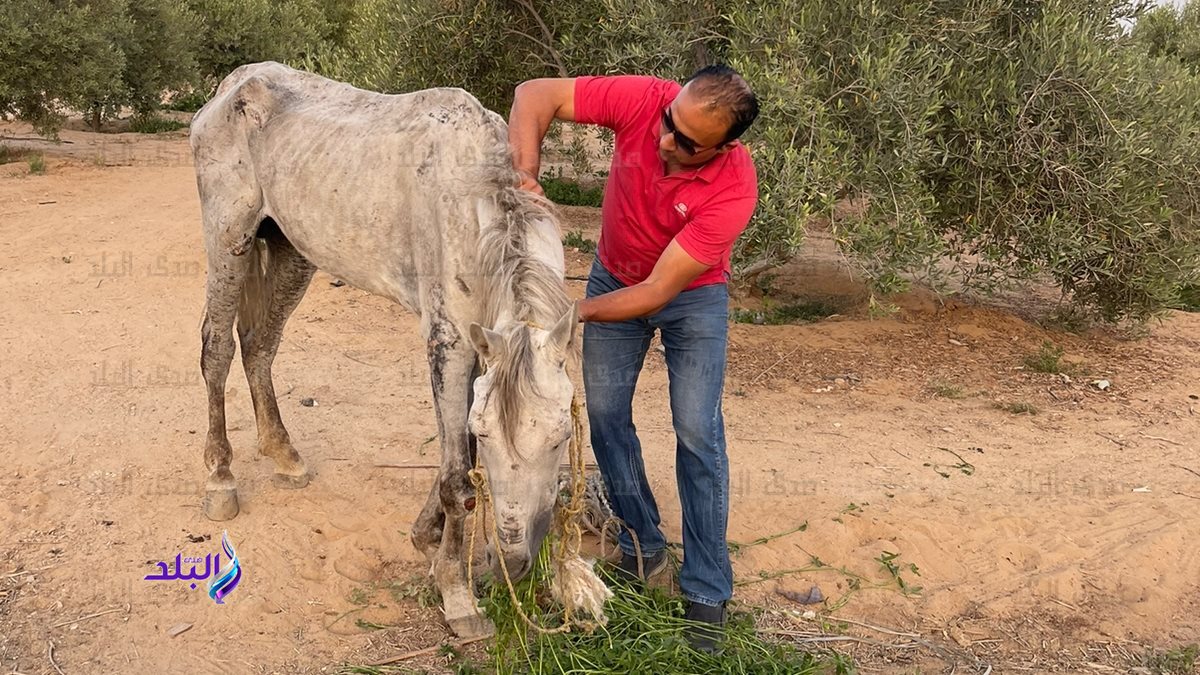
(672, 273)
(536, 104)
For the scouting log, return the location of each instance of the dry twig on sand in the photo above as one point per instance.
(91, 616)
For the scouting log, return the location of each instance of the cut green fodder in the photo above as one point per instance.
(776, 314)
(853, 581)
(644, 634)
(371, 625)
(645, 630)
(736, 548)
(962, 466)
(576, 240)
(887, 560)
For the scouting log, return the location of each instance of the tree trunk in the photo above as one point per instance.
(95, 118)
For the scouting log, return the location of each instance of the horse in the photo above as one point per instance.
(411, 197)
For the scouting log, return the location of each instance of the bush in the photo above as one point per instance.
(153, 124)
(1172, 33)
(570, 193)
(237, 32)
(989, 142)
(95, 57)
(776, 314)
(577, 241)
(1020, 140)
(9, 155)
(58, 55)
(191, 101)
(160, 49)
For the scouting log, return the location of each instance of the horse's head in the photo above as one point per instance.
(521, 419)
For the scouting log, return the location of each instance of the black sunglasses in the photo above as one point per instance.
(686, 144)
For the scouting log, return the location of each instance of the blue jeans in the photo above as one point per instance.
(694, 329)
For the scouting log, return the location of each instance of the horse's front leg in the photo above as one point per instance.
(451, 361)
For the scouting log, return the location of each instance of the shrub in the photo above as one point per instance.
(153, 124)
(570, 193)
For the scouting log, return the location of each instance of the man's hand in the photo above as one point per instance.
(675, 269)
(530, 184)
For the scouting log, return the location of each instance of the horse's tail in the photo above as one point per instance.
(255, 302)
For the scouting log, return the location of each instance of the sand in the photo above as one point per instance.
(1040, 542)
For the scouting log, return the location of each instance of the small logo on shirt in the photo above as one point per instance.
(682, 209)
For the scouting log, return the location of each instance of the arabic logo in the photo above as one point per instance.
(228, 578)
(224, 579)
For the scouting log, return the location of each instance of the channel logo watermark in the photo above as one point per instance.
(224, 578)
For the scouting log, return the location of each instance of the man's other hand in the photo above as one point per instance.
(529, 183)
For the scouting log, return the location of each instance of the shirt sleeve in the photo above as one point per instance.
(709, 235)
(612, 101)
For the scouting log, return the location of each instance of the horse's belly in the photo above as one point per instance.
(363, 247)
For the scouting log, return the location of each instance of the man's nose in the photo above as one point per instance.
(666, 142)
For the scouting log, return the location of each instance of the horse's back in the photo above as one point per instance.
(272, 101)
(356, 180)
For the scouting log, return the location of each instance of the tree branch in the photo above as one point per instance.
(548, 36)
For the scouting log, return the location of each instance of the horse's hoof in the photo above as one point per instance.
(221, 504)
(290, 482)
(474, 625)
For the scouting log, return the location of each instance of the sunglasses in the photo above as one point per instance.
(686, 144)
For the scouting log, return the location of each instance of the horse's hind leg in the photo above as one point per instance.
(273, 290)
(226, 275)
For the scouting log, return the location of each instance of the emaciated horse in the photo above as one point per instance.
(409, 197)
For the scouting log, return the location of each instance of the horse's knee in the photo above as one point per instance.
(427, 536)
(456, 494)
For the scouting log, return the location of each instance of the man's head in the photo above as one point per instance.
(712, 110)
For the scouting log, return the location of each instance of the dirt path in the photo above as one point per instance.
(1043, 541)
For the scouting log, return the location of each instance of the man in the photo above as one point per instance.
(680, 191)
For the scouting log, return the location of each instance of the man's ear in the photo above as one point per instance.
(487, 343)
(726, 147)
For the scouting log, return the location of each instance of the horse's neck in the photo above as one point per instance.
(543, 244)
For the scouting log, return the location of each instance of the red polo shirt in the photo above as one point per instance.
(704, 209)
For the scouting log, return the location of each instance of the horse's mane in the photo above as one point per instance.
(516, 285)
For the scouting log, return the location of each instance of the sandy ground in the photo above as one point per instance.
(1058, 541)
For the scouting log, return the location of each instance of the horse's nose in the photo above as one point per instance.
(511, 534)
(518, 564)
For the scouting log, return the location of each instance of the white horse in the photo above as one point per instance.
(410, 197)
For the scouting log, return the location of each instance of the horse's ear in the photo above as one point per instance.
(563, 333)
(487, 343)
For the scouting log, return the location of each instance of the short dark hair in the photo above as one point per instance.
(722, 88)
